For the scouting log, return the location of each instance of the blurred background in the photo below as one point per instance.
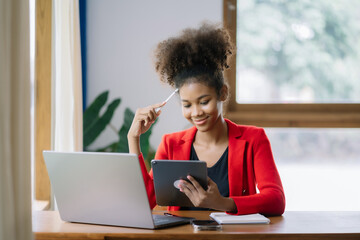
(288, 52)
(295, 51)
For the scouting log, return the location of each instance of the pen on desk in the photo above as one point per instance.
(172, 94)
(169, 214)
(173, 215)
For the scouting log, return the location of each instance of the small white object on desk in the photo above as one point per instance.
(224, 218)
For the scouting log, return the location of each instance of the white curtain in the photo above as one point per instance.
(15, 171)
(66, 77)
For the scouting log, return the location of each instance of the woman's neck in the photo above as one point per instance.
(218, 134)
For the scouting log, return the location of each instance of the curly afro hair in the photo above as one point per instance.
(201, 53)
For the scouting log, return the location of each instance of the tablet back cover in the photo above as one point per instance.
(166, 175)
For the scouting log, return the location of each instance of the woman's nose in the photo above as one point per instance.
(196, 111)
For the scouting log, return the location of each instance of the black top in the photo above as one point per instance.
(218, 173)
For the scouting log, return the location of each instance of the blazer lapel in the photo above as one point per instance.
(183, 148)
(235, 159)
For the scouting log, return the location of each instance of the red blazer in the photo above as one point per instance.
(251, 165)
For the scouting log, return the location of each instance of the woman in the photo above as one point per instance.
(239, 158)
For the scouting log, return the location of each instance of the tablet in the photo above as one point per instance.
(167, 174)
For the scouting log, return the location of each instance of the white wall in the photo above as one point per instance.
(121, 36)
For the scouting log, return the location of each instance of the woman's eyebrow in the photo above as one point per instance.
(202, 96)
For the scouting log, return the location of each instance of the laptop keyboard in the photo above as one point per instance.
(161, 219)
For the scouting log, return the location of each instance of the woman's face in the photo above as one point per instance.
(200, 105)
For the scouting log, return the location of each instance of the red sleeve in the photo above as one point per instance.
(271, 198)
(149, 182)
(148, 177)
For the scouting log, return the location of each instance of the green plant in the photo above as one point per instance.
(94, 123)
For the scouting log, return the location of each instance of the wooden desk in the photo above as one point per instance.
(292, 225)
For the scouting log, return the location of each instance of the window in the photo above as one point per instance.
(296, 63)
(295, 74)
(298, 51)
(41, 44)
(319, 167)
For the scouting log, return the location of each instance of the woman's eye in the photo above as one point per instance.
(186, 106)
(204, 102)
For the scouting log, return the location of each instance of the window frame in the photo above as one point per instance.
(319, 115)
(42, 104)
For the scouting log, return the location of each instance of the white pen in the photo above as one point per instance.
(172, 94)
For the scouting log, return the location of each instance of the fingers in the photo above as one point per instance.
(212, 187)
(193, 191)
(187, 188)
(158, 108)
(197, 195)
(211, 183)
(149, 114)
(143, 119)
(196, 185)
(192, 187)
(157, 105)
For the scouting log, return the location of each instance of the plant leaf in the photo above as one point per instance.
(123, 145)
(100, 123)
(150, 156)
(91, 113)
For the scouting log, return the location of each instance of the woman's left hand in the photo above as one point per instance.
(210, 198)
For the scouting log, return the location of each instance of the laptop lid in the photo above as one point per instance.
(99, 188)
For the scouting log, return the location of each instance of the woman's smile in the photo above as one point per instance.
(201, 121)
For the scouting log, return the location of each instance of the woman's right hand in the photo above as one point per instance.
(143, 119)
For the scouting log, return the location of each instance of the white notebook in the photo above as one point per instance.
(223, 218)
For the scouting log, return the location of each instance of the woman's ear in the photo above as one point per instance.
(224, 93)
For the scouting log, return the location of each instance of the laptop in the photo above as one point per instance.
(102, 188)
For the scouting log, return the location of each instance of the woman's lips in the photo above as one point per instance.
(200, 121)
